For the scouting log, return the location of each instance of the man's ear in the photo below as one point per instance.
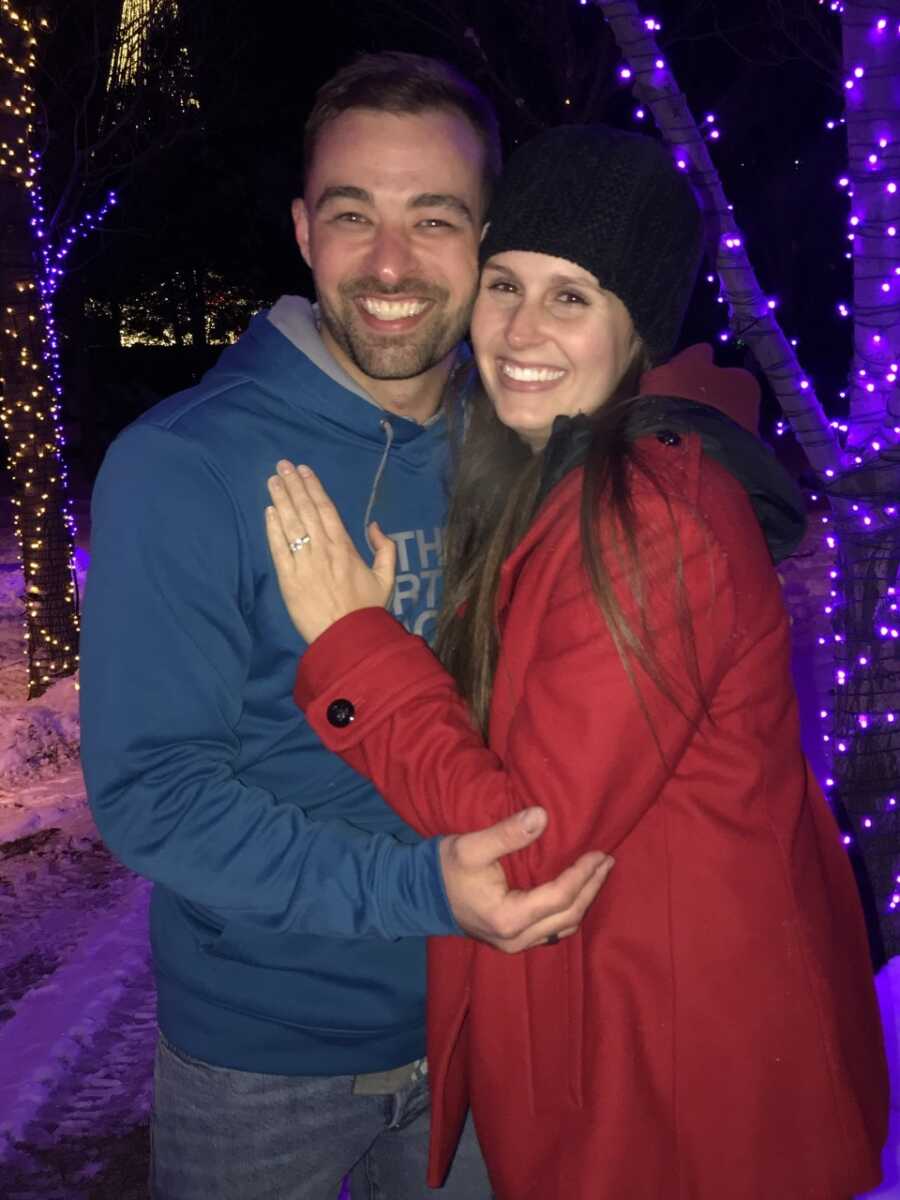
(300, 217)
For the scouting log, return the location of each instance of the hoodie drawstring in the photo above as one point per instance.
(376, 482)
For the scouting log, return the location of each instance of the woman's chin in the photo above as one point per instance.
(533, 435)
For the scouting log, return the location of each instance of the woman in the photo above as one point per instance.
(614, 631)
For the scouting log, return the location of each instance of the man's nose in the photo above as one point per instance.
(391, 255)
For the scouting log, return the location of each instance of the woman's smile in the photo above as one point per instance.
(528, 377)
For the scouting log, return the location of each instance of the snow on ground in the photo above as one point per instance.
(77, 1020)
(77, 1006)
(40, 781)
(39, 739)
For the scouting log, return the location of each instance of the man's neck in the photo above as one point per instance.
(417, 399)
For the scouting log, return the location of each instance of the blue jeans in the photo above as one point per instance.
(219, 1134)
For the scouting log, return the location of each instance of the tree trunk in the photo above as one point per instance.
(873, 131)
(865, 723)
(865, 500)
(30, 401)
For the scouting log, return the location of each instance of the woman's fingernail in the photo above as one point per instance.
(284, 467)
(303, 469)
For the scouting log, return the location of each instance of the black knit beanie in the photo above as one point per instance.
(614, 204)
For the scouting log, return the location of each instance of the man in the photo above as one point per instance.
(291, 908)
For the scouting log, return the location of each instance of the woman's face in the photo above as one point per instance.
(548, 341)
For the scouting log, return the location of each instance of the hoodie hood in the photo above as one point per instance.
(297, 319)
(282, 353)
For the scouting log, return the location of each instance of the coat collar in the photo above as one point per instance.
(777, 501)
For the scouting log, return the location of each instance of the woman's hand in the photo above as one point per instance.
(321, 575)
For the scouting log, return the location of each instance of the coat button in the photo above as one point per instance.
(340, 713)
(668, 438)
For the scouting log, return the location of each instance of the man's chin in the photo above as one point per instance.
(384, 371)
(395, 362)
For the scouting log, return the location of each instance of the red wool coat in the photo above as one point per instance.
(711, 1032)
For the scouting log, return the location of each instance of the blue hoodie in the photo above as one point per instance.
(291, 905)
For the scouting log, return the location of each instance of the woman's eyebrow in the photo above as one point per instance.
(575, 281)
(555, 280)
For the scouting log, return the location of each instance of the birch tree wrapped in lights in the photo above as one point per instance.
(30, 407)
(865, 495)
(871, 89)
(107, 133)
(862, 726)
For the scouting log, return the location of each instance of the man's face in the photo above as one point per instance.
(389, 225)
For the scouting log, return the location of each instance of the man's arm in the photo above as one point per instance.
(165, 655)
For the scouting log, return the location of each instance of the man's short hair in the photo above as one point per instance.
(395, 82)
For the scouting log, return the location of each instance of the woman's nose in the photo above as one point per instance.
(524, 327)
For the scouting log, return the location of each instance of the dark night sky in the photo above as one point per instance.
(219, 197)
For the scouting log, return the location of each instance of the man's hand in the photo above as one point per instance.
(485, 906)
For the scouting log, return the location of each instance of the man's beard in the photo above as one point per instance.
(396, 356)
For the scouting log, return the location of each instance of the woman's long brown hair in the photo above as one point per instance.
(496, 488)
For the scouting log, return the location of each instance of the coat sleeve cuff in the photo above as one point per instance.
(342, 648)
(359, 672)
